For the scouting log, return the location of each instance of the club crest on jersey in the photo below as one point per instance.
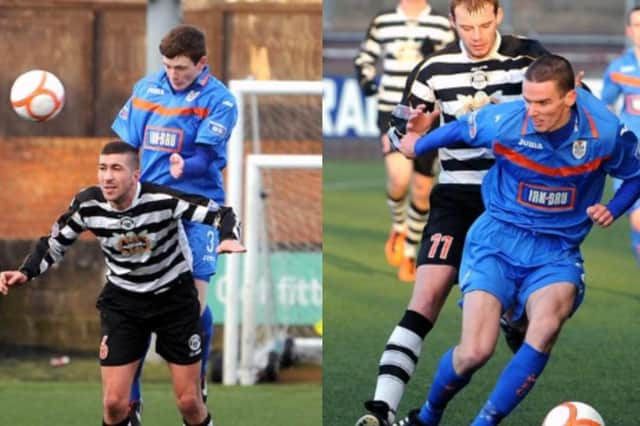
(163, 138)
(217, 128)
(131, 244)
(192, 95)
(579, 149)
(127, 223)
(479, 78)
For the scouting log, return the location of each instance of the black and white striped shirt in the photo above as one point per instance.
(460, 84)
(144, 246)
(402, 42)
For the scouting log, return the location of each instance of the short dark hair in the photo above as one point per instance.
(552, 68)
(184, 40)
(120, 147)
(633, 9)
(472, 5)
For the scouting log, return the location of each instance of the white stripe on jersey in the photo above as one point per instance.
(145, 245)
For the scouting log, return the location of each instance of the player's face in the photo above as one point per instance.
(547, 106)
(118, 179)
(477, 29)
(633, 29)
(182, 71)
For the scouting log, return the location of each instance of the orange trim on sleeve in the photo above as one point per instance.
(621, 78)
(527, 163)
(159, 109)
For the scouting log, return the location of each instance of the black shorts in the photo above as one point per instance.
(453, 209)
(127, 320)
(425, 164)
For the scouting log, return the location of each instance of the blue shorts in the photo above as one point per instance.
(203, 240)
(511, 263)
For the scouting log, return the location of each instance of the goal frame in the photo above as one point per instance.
(235, 165)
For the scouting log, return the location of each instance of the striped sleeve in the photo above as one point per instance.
(51, 249)
(221, 217)
(370, 50)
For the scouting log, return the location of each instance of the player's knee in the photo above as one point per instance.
(115, 406)
(542, 332)
(189, 403)
(473, 356)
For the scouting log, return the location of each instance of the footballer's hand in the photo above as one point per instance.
(421, 121)
(369, 88)
(176, 165)
(9, 278)
(408, 144)
(230, 246)
(600, 215)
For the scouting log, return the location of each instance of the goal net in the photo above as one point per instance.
(273, 293)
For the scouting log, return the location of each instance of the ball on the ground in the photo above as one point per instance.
(573, 413)
(37, 95)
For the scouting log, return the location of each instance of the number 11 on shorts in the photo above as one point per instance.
(436, 239)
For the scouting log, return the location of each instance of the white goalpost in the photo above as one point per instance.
(281, 119)
(257, 260)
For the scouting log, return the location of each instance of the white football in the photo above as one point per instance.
(573, 413)
(37, 95)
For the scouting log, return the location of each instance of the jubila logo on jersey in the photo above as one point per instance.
(131, 244)
(579, 149)
(546, 198)
(163, 138)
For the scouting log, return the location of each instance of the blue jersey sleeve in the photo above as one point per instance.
(215, 130)
(124, 125)
(610, 90)
(481, 126)
(624, 162)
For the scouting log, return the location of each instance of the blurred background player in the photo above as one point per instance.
(462, 77)
(401, 38)
(553, 151)
(181, 119)
(622, 77)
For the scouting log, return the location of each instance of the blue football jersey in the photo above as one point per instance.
(161, 121)
(622, 77)
(547, 188)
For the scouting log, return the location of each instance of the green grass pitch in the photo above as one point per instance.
(79, 403)
(594, 361)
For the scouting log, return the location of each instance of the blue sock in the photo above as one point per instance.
(514, 384)
(206, 323)
(446, 384)
(136, 387)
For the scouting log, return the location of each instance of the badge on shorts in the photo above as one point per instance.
(579, 149)
(104, 348)
(194, 343)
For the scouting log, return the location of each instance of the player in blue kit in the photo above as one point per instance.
(622, 77)
(181, 119)
(553, 151)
